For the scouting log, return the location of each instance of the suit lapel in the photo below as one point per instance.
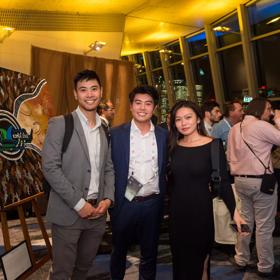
(126, 145)
(160, 149)
(79, 129)
(103, 142)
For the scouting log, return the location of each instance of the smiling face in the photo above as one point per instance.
(186, 121)
(88, 94)
(142, 108)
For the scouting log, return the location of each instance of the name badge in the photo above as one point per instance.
(133, 187)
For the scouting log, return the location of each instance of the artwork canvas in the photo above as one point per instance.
(26, 106)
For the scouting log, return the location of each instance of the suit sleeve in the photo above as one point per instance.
(52, 163)
(226, 188)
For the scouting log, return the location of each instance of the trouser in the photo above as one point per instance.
(259, 208)
(136, 221)
(74, 248)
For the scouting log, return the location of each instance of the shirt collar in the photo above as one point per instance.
(105, 120)
(134, 127)
(84, 119)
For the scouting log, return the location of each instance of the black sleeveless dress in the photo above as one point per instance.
(191, 213)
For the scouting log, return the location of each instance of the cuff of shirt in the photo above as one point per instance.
(81, 203)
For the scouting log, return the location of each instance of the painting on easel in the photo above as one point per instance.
(26, 106)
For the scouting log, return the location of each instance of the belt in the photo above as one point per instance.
(92, 201)
(250, 176)
(144, 198)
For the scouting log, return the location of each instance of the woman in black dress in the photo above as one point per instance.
(191, 213)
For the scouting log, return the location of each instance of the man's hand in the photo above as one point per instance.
(103, 206)
(239, 221)
(86, 211)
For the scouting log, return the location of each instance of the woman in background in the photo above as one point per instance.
(191, 217)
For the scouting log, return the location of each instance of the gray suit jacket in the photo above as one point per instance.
(69, 177)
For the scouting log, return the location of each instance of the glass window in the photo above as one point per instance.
(173, 53)
(227, 32)
(233, 72)
(139, 59)
(139, 64)
(178, 80)
(264, 16)
(197, 44)
(155, 59)
(159, 83)
(203, 79)
(141, 80)
(267, 59)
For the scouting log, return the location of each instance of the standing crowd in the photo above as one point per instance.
(123, 171)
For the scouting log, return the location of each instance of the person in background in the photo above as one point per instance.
(211, 114)
(233, 114)
(166, 124)
(139, 154)
(191, 215)
(82, 183)
(249, 150)
(106, 111)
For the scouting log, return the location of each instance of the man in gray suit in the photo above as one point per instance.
(82, 182)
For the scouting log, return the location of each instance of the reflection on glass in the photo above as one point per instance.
(267, 59)
(155, 59)
(203, 79)
(227, 32)
(178, 80)
(159, 83)
(197, 44)
(264, 16)
(172, 53)
(139, 64)
(233, 71)
(142, 79)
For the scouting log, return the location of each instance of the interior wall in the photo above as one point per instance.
(15, 51)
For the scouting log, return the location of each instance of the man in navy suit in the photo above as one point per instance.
(139, 154)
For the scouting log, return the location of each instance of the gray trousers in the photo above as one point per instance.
(259, 208)
(74, 248)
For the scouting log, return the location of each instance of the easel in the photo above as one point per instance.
(5, 229)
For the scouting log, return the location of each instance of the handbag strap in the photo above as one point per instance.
(215, 160)
(265, 167)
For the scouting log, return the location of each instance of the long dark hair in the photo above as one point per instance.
(175, 135)
(256, 107)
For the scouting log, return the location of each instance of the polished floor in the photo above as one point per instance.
(221, 267)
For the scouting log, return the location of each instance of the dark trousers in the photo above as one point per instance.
(74, 248)
(136, 221)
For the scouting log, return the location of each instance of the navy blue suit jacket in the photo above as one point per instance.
(120, 142)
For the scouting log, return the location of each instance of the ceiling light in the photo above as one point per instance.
(221, 28)
(96, 46)
(5, 31)
(273, 20)
(166, 51)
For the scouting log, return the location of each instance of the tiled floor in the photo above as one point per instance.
(221, 267)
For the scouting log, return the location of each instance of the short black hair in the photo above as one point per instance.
(145, 89)
(86, 75)
(208, 106)
(256, 107)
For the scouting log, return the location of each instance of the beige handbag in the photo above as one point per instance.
(222, 220)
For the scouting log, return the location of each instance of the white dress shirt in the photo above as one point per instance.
(143, 159)
(92, 136)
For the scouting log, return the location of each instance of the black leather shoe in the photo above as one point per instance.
(272, 273)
